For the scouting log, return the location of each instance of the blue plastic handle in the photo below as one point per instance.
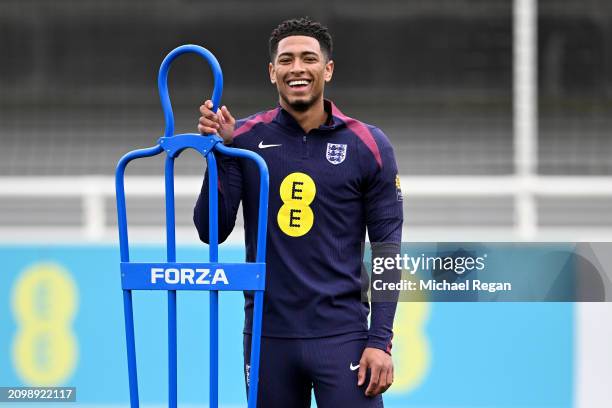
(162, 81)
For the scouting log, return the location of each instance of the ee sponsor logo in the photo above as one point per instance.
(44, 303)
(295, 217)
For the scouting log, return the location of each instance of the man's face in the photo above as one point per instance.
(300, 71)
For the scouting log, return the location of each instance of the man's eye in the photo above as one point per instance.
(284, 61)
(311, 59)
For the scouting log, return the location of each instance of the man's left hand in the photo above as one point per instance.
(381, 371)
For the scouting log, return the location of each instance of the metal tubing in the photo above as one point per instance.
(173, 149)
(120, 193)
(171, 257)
(213, 233)
(162, 81)
(131, 347)
(261, 257)
(125, 257)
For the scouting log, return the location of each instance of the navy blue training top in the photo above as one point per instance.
(326, 187)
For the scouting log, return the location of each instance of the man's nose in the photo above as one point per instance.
(297, 66)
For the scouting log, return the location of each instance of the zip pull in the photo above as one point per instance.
(304, 146)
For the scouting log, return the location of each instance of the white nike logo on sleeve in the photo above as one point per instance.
(353, 368)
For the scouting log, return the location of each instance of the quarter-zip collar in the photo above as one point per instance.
(284, 118)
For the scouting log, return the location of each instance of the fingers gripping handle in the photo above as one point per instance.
(162, 81)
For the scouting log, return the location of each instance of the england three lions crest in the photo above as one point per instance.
(336, 153)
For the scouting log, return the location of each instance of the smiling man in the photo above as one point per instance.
(331, 178)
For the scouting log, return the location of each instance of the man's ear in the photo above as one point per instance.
(329, 70)
(272, 73)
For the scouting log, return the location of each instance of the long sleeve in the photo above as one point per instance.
(384, 218)
(230, 193)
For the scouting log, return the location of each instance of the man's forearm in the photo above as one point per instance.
(383, 303)
(228, 199)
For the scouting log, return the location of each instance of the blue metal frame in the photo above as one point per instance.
(172, 276)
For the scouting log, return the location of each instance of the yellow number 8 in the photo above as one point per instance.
(44, 304)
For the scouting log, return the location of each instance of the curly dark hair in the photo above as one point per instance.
(301, 26)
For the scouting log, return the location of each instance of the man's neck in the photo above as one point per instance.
(309, 119)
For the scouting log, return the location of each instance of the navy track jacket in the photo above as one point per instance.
(326, 187)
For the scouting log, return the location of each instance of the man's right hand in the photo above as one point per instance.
(221, 122)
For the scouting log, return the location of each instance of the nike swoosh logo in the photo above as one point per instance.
(353, 368)
(263, 146)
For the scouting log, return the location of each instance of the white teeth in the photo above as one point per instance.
(300, 82)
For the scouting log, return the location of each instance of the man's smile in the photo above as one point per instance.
(299, 84)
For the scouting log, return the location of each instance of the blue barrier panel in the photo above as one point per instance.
(193, 276)
(452, 355)
(135, 277)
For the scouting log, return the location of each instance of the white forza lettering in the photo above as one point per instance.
(187, 275)
(220, 276)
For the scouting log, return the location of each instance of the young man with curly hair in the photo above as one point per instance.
(331, 178)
